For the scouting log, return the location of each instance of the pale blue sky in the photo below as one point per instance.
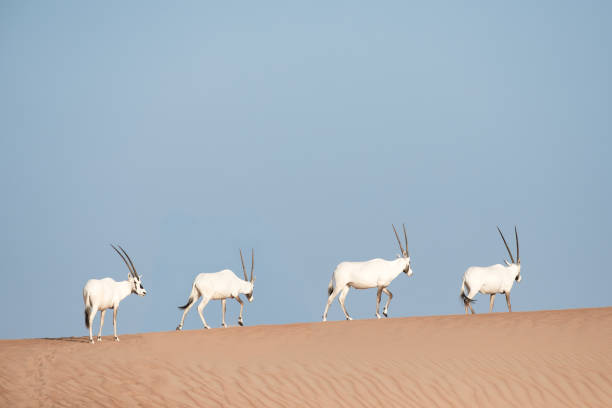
(186, 131)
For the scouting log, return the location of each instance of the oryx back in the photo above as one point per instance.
(364, 275)
(491, 279)
(102, 292)
(218, 285)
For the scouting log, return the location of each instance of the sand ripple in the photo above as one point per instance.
(548, 358)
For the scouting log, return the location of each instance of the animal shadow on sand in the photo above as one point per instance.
(69, 339)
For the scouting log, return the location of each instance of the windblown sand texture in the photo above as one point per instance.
(543, 359)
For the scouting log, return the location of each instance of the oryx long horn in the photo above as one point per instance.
(398, 240)
(252, 262)
(124, 260)
(131, 263)
(506, 244)
(406, 239)
(243, 268)
(518, 258)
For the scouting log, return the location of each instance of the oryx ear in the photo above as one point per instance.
(140, 276)
(130, 277)
(507, 263)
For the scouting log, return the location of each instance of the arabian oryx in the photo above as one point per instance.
(376, 273)
(220, 286)
(102, 294)
(492, 279)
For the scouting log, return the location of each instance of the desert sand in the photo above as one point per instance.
(544, 358)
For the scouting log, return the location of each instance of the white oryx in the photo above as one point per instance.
(220, 286)
(376, 273)
(102, 294)
(492, 279)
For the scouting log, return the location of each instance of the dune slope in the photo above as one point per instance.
(547, 358)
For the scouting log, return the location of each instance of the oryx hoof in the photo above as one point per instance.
(179, 328)
(385, 313)
(116, 338)
(92, 341)
(349, 318)
(240, 323)
(99, 338)
(224, 325)
(207, 327)
(377, 316)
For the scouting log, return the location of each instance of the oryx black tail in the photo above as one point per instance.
(466, 300)
(192, 297)
(189, 302)
(87, 313)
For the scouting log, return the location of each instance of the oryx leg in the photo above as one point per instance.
(378, 293)
(330, 299)
(102, 313)
(343, 294)
(223, 313)
(241, 307)
(491, 302)
(180, 326)
(115, 322)
(201, 308)
(390, 296)
(508, 301)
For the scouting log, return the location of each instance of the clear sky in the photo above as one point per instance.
(186, 131)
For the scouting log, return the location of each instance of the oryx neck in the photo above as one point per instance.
(245, 286)
(125, 288)
(401, 260)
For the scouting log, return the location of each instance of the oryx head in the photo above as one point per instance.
(405, 255)
(133, 277)
(516, 264)
(251, 281)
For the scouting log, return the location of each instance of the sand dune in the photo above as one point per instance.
(547, 358)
